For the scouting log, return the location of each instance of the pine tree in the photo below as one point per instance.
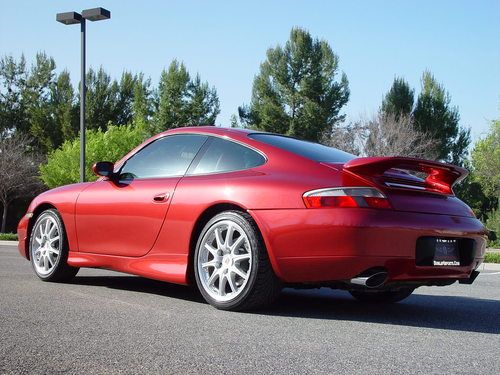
(123, 111)
(42, 125)
(141, 100)
(181, 101)
(435, 115)
(101, 99)
(297, 91)
(399, 99)
(13, 79)
(64, 107)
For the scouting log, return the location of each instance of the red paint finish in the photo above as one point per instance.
(63, 199)
(122, 219)
(338, 244)
(122, 227)
(164, 267)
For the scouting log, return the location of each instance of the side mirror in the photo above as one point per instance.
(103, 168)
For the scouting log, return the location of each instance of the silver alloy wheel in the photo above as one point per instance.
(224, 260)
(46, 245)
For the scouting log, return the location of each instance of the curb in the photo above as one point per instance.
(489, 267)
(8, 243)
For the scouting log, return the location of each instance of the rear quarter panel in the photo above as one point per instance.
(270, 186)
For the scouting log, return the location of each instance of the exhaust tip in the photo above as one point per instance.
(373, 281)
(376, 280)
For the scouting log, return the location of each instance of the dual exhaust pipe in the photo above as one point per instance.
(375, 280)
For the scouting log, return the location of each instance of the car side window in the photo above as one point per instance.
(223, 156)
(165, 157)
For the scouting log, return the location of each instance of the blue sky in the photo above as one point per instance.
(225, 41)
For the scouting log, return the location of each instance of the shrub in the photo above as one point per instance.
(63, 164)
(8, 237)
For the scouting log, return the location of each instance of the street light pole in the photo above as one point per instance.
(71, 18)
(83, 90)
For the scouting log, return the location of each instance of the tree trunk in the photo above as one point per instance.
(4, 217)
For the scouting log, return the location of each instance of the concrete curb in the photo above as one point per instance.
(489, 267)
(8, 243)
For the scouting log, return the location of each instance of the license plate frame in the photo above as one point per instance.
(446, 252)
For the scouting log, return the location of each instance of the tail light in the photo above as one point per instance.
(346, 197)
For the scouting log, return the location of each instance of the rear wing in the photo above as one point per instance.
(440, 177)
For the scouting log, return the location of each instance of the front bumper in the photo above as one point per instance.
(22, 232)
(323, 245)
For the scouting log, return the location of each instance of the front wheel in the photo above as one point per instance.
(231, 264)
(379, 296)
(48, 248)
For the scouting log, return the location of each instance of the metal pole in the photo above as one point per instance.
(82, 104)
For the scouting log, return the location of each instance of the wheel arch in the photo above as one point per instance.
(36, 212)
(200, 223)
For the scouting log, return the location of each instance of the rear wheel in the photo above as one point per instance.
(48, 248)
(231, 264)
(378, 296)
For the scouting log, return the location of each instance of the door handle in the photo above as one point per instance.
(163, 197)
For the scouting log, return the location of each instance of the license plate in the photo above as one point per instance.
(446, 252)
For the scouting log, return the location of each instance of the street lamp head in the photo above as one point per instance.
(96, 14)
(69, 18)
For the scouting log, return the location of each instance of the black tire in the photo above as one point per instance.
(60, 270)
(379, 296)
(262, 286)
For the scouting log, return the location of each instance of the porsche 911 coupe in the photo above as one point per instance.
(242, 213)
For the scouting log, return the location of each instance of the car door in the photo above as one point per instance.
(124, 216)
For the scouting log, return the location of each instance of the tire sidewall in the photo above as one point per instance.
(62, 252)
(255, 243)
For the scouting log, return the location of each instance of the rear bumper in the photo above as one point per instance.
(322, 245)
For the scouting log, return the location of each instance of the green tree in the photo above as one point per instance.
(471, 192)
(101, 98)
(13, 79)
(486, 161)
(36, 101)
(142, 101)
(481, 190)
(434, 115)
(399, 99)
(125, 96)
(297, 91)
(62, 166)
(203, 106)
(42, 125)
(181, 101)
(64, 107)
(493, 224)
(233, 121)
(486, 173)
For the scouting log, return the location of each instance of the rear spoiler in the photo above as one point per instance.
(440, 177)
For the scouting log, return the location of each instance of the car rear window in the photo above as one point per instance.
(309, 150)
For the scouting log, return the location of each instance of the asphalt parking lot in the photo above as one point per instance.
(107, 322)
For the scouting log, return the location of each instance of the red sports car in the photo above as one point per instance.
(242, 213)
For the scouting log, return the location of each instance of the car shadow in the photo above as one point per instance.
(418, 310)
(141, 285)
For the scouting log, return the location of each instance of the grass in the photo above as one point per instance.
(492, 257)
(8, 236)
